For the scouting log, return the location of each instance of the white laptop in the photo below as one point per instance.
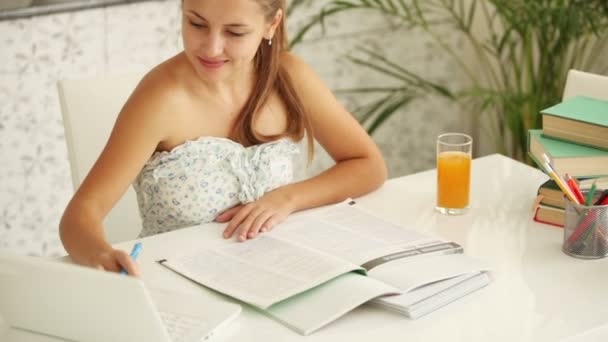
(76, 303)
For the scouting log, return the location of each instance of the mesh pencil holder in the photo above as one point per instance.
(586, 231)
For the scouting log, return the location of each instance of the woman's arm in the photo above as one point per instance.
(359, 167)
(138, 130)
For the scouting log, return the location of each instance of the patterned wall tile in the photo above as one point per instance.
(35, 179)
(80, 38)
(141, 35)
(15, 38)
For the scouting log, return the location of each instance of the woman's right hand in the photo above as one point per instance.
(114, 260)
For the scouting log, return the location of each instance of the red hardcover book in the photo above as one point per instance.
(550, 215)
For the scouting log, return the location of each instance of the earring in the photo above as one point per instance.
(270, 42)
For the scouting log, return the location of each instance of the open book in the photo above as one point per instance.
(319, 265)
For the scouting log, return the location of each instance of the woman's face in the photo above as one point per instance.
(221, 37)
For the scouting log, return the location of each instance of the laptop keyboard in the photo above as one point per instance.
(179, 326)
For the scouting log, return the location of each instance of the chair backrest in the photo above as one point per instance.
(89, 108)
(586, 84)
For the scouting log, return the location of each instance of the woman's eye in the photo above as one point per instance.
(236, 34)
(196, 24)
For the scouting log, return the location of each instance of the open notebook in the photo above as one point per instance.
(319, 265)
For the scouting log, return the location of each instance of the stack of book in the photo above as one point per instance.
(574, 139)
(550, 205)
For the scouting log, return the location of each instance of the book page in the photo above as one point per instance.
(351, 234)
(306, 250)
(431, 297)
(313, 309)
(408, 274)
(406, 300)
(262, 271)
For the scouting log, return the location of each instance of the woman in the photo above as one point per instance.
(212, 130)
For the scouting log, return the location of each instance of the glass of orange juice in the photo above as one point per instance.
(454, 152)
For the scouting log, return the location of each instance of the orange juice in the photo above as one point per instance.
(453, 178)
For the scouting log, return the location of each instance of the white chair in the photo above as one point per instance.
(579, 83)
(89, 108)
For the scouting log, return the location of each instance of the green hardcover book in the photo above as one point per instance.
(576, 160)
(551, 194)
(579, 119)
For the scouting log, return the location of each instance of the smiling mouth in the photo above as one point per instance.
(212, 64)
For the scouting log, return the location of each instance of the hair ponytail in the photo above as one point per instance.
(271, 75)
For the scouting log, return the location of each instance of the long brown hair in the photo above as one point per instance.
(270, 75)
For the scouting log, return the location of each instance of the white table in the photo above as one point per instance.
(538, 293)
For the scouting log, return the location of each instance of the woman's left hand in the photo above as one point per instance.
(248, 220)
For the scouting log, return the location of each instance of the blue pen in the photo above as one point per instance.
(134, 253)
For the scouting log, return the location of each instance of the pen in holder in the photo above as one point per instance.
(586, 231)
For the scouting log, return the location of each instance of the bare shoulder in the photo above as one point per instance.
(297, 69)
(157, 89)
(155, 96)
(311, 89)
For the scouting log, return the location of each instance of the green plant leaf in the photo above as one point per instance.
(521, 57)
(387, 112)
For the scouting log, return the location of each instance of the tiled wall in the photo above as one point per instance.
(35, 181)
